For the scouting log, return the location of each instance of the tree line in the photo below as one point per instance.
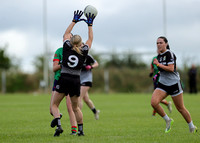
(118, 73)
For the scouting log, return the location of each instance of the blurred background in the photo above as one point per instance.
(125, 34)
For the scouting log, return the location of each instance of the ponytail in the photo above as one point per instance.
(168, 46)
(75, 42)
(77, 49)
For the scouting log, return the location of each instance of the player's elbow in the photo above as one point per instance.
(171, 69)
(54, 69)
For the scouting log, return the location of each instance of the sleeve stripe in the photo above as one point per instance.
(56, 60)
(172, 55)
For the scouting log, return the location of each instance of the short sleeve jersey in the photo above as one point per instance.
(58, 57)
(86, 75)
(168, 78)
(72, 61)
(89, 61)
(155, 68)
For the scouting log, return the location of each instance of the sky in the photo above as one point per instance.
(120, 26)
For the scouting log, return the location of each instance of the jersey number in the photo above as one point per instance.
(73, 61)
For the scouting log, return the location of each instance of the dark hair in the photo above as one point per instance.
(165, 40)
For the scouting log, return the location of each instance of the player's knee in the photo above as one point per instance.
(75, 108)
(51, 112)
(86, 101)
(180, 109)
(69, 110)
(154, 103)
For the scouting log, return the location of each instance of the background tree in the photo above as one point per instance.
(126, 60)
(39, 72)
(5, 64)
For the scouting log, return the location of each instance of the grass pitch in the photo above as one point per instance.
(124, 118)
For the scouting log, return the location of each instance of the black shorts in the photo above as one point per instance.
(172, 90)
(87, 84)
(69, 84)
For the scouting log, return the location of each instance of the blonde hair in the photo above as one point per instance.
(76, 42)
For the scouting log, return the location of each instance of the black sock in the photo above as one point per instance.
(80, 127)
(94, 110)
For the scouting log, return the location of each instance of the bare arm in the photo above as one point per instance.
(90, 36)
(169, 68)
(96, 64)
(68, 31)
(56, 66)
(76, 18)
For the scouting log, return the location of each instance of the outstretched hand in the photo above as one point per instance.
(77, 16)
(90, 19)
(155, 61)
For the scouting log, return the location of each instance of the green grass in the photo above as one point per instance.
(123, 118)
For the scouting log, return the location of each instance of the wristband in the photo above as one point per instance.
(157, 65)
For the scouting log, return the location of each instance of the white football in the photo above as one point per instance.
(90, 9)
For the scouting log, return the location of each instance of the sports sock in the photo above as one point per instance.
(59, 122)
(166, 118)
(74, 129)
(80, 127)
(94, 110)
(154, 112)
(191, 125)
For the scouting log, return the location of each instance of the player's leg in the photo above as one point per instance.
(168, 104)
(72, 117)
(157, 97)
(78, 114)
(155, 85)
(53, 92)
(90, 104)
(154, 113)
(57, 98)
(82, 94)
(86, 97)
(164, 101)
(52, 95)
(178, 102)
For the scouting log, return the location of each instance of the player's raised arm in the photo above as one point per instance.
(90, 36)
(89, 21)
(76, 18)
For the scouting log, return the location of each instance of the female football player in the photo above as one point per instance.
(169, 84)
(74, 56)
(156, 73)
(57, 62)
(86, 83)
